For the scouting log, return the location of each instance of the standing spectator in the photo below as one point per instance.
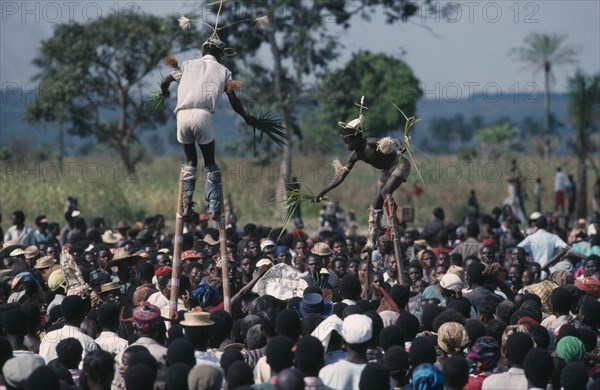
(561, 183)
(541, 246)
(473, 204)
(517, 347)
(471, 246)
(357, 330)
(538, 191)
(42, 235)
(73, 310)
(538, 366)
(20, 232)
(571, 195)
(108, 319)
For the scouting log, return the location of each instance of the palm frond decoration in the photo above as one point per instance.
(408, 126)
(269, 124)
(291, 202)
(156, 101)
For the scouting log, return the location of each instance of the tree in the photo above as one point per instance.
(584, 112)
(300, 44)
(496, 139)
(93, 78)
(543, 52)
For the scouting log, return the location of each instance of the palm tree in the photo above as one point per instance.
(584, 93)
(543, 52)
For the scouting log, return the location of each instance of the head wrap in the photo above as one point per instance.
(590, 286)
(427, 376)
(146, 317)
(562, 277)
(570, 349)
(204, 294)
(484, 354)
(452, 337)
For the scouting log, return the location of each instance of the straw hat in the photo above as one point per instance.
(321, 249)
(44, 262)
(31, 252)
(196, 318)
(17, 252)
(265, 261)
(106, 287)
(109, 237)
(209, 240)
(122, 256)
(10, 246)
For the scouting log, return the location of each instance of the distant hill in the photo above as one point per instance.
(517, 107)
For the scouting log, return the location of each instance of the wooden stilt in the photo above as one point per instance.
(369, 286)
(224, 259)
(177, 251)
(391, 215)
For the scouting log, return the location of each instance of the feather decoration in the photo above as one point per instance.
(262, 21)
(233, 84)
(184, 22)
(171, 61)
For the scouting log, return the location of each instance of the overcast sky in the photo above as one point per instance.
(463, 52)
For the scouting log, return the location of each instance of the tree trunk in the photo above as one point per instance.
(284, 108)
(547, 137)
(581, 205)
(125, 152)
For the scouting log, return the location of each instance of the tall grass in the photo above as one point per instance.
(104, 189)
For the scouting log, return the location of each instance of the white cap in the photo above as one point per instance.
(357, 329)
(535, 215)
(451, 282)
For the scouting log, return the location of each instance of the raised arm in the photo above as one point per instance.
(237, 106)
(164, 86)
(339, 178)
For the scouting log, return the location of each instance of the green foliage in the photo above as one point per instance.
(584, 111)
(446, 133)
(383, 80)
(496, 138)
(94, 76)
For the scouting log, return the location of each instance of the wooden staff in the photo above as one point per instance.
(177, 251)
(224, 259)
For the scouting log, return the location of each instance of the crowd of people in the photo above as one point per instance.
(488, 303)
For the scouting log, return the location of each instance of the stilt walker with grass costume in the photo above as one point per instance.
(386, 154)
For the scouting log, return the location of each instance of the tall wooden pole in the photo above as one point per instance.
(177, 250)
(224, 259)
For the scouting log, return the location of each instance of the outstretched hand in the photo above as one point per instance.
(318, 198)
(251, 120)
(165, 94)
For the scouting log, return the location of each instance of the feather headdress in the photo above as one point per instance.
(355, 126)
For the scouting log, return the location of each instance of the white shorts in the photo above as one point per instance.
(195, 125)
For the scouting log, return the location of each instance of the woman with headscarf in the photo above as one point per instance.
(483, 357)
(452, 338)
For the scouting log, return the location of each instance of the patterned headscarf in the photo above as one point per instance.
(426, 376)
(452, 337)
(485, 354)
(146, 317)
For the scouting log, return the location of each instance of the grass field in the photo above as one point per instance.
(103, 188)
